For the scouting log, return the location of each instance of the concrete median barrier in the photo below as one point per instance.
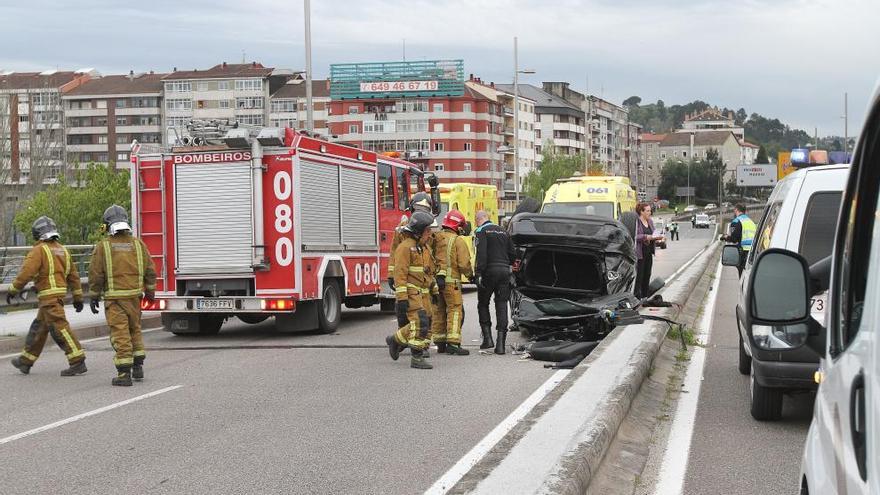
(558, 447)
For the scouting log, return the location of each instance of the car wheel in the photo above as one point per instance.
(766, 402)
(745, 361)
(330, 310)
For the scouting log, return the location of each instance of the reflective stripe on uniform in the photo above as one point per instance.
(139, 353)
(28, 356)
(423, 290)
(108, 264)
(449, 255)
(417, 269)
(748, 232)
(123, 361)
(53, 289)
(71, 344)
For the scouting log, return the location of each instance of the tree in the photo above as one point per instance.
(553, 167)
(702, 176)
(632, 101)
(77, 207)
(762, 155)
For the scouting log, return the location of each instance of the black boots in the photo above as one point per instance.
(418, 361)
(487, 337)
(137, 372)
(393, 347)
(499, 344)
(75, 369)
(24, 368)
(122, 378)
(456, 350)
(441, 347)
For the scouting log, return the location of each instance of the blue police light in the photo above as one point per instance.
(800, 156)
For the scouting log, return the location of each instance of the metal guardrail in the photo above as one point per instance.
(11, 258)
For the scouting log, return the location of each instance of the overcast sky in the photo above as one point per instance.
(790, 59)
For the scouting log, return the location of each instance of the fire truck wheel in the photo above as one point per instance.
(210, 324)
(330, 312)
(252, 319)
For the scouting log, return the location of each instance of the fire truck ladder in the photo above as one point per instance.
(158, 258)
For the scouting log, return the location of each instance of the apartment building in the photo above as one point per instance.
(287, 106)
(652, 165)
(557, 121)
(234, 92)
(104, 115)
(712, 119)
(424, 110)
(525, 122)
(32, 123)
(682, 145)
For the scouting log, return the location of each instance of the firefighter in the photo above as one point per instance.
(413, 279)
(122, 270)
(742, 233)
(453, 261)
(495, 256)
(420, 202)
(49, 265)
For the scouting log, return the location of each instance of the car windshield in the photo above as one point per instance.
(602, 209)
(703, 217)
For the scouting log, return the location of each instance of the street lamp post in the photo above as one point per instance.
(310, 121)
(516, 73)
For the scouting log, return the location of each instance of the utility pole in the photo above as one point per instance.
(310, 118)
(845, 127)
(515, 120)
(690, 160)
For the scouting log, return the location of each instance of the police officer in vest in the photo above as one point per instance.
(741, 232)
(121, 272)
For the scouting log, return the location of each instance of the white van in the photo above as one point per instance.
(800, 216)
(842, 451)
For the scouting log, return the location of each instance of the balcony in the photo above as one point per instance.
(137, 111)
(87, 130)
(508, 131)
(509, 186)
(138, 129)
(508, 110)
(506, 150)
(85, 112)
(86, 148)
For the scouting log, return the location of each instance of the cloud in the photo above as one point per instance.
(790, 59)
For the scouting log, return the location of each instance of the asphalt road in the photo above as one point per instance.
(730, 451)
(260, 411)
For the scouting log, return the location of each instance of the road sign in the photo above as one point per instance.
(685, 191)
(758, 174)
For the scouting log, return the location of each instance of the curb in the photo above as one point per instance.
(14, 344)
(567, 436)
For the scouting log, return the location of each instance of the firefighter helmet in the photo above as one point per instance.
(116, 219)
(421, 202)
(419, 222)
(454, 220)
(44, 228)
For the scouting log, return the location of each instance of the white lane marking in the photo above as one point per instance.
(87, 414)
(105, 337)
(461, 468)
(675, 459)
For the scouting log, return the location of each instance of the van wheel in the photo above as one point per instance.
(210, 324)
(766, 402)
(629, 219)
(745, 361)
(330, 310)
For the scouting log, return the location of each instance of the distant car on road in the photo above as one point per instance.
(711, 206)
(725, 204)
(690, 208)
(703, 221)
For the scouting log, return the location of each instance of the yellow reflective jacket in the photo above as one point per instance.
(451, 256)
(49, 265)
(413, 268)
(121, 268)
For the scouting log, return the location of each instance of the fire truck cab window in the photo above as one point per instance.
(386, 187)
(416, 182)
(402, 194)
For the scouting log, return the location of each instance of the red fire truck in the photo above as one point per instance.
(269, 223)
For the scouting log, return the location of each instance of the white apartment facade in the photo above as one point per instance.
(288, 107)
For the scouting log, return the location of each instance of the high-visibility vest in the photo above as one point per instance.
(749, 229)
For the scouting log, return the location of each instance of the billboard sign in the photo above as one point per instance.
(385, 80)
(685, 191)
(758, 174)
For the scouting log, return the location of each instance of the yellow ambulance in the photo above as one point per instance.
(469, 199)
(590, 195)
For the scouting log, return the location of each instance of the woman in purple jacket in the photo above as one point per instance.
(645, 240)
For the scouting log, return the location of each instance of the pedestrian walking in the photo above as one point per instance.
(495, 256)
(673, 230)
(742, 233)
(49, 265)
(413, 278)
(645, 242)
(120, 272)
(453, 261)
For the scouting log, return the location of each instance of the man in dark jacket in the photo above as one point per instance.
(494, 258)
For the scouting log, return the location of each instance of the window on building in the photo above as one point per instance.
(417, 125)
(411, 106)
(386, 187)
(285, 105)
(353, 129)
(178, 87)
(121, 121)
(121, 103)
(249, 119)
(438, 146)
(438, 127)
(468, 167)
(468, 146)
(224, 104)
(178, 104)
(202, 85)
(467, 128)
(248, 84)
(466, 107)
(663, 156)
(439, 167)
(122, 156)
(223, 85)
(437, 107)
(284, 123)
(353, 109)
(249, 103)
(177, 121)
(23, 118)
(684, 154)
